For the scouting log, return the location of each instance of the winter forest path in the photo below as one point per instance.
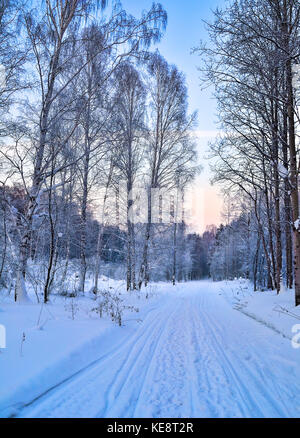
(194, 356)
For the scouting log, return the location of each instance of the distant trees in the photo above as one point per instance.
(228, 255)
(201, 248)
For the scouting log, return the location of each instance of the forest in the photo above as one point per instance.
(97, 148)
(124, 291)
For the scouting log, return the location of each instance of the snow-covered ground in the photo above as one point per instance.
(201, 349)
(278, 312)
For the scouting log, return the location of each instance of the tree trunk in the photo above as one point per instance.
(174, 253)
(144, 269)
(294, 182)
(287, 206)
(275, 153)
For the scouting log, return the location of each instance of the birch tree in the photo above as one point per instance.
(130, 116)
(170, 149)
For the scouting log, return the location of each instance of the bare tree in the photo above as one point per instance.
(130, 113)
(170, 149)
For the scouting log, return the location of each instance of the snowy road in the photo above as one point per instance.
(194, 356)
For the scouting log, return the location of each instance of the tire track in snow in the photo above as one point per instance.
(204, 365)
(21, 407)
(165, 379)
(136, 365)
(168, 389)
(256, 396)
(85, 393)
(188, 358)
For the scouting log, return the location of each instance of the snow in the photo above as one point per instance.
(275, 311)
(55, 346)
(283, 171)
(201, 349)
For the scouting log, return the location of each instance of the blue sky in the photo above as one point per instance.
(184, 31)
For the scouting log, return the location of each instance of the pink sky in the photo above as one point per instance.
(204, 201)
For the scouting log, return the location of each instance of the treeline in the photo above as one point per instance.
(253, 62)
(86, 107)
(192, 260)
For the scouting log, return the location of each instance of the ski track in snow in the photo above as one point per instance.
(193, 357)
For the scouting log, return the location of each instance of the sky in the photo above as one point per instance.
(184, 31)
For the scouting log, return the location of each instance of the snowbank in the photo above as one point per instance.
(278, 312)
(47, 344)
